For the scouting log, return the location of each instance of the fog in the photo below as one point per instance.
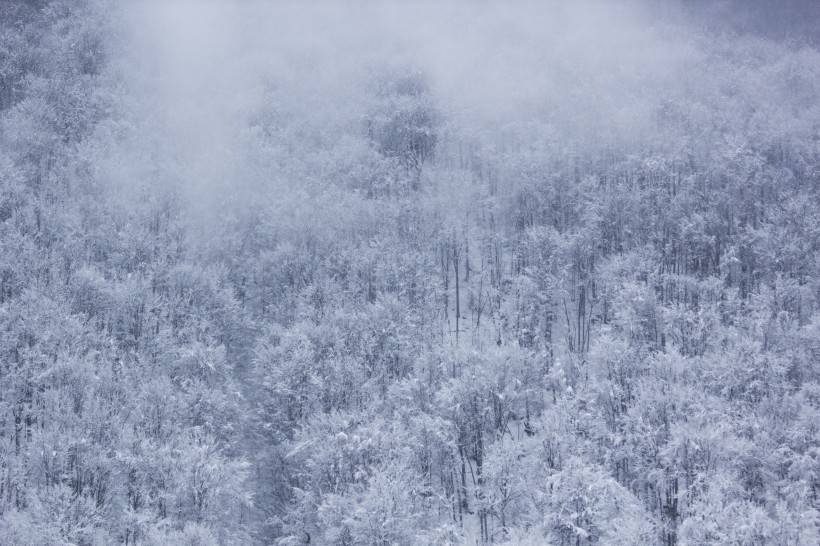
(199, 75)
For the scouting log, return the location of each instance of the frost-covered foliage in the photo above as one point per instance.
(376, 273)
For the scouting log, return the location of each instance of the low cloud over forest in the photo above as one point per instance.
(409, 273)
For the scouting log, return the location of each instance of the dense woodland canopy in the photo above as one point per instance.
(368, 274)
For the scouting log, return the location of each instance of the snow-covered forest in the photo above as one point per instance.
(422, 273)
